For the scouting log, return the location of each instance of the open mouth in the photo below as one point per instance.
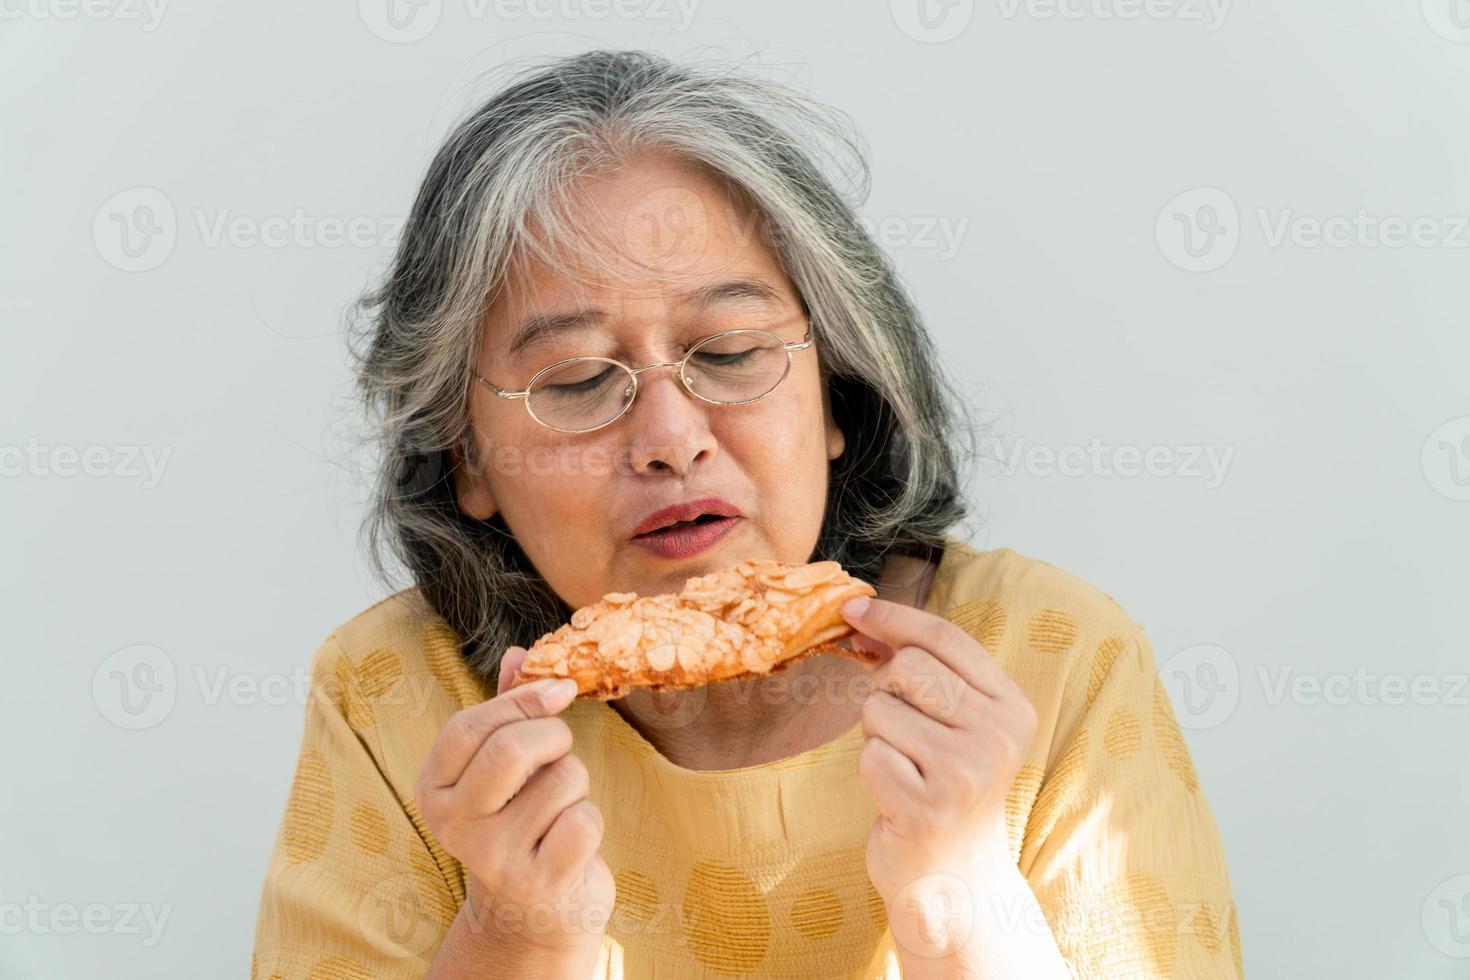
(688, 538)
(701, 519)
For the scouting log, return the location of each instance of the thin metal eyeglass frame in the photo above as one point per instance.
(805, 343)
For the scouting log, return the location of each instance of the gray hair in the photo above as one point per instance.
(504, 170)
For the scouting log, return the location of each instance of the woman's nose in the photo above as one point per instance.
(667, 426)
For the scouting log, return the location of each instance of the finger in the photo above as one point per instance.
(467, 730)
(890, 776)
(921, 739)
(507, 761)
(898, 625)
(881, 651)
(509, 664)
(922, 679)
(549, 791)
(571, 842)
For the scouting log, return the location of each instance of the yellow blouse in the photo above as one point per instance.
(759, 871)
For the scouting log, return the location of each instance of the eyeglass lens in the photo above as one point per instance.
(587, 392)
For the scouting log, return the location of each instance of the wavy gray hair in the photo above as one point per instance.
(506, 169)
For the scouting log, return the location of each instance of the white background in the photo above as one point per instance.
(1053, 142)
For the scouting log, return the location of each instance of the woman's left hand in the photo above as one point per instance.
(946, 730)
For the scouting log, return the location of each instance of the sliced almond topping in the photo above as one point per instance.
(813, 575)
(737, 620)
(662, 657)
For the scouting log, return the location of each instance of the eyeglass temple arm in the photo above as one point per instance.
(508, 395)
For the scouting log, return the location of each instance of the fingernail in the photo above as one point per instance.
(854, 608)
(559, 691)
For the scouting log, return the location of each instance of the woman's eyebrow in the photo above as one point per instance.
(707, 296)
(538, 328)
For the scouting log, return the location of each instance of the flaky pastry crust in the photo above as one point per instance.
(757, 617)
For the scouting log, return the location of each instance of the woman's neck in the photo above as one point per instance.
(749, 721)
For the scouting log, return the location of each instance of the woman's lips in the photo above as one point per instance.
(686, 540)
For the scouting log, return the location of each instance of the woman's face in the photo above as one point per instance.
(573, 501)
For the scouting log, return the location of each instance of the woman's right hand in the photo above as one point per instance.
(505, 796)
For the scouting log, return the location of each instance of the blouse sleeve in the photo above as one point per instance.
(353, 888)
(1120, 846)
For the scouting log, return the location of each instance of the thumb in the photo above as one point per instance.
(510, 662)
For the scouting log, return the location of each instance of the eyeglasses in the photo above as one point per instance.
(733, 367)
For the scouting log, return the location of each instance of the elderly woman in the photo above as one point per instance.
(633, 335)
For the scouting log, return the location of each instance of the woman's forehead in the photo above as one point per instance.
(655, 227)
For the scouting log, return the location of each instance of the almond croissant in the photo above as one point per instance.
(757, 617)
